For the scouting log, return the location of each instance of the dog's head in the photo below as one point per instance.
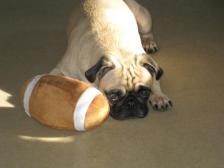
(126, 82)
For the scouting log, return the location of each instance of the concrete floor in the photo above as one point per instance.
(191, 39)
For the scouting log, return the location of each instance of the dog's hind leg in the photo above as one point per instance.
(144, 21)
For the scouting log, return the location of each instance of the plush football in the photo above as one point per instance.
(63, 102)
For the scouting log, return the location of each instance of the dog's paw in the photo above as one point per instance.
(149, 46)
(160, 102)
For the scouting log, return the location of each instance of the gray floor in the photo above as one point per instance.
(191, 135)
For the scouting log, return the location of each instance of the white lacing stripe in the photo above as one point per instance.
(28, 92)
(82, 107)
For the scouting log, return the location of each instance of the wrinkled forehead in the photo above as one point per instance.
(133, 77)
(128, 77)
(111, 80)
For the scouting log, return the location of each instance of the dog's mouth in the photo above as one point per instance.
(129, 109)
(122, 115)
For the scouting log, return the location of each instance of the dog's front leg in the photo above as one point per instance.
(158, 99)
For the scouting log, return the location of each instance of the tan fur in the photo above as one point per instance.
(99, 32)
(114, 29)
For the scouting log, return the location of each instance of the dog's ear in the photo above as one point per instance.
(98, 70)
(158, 71)
(152, 67)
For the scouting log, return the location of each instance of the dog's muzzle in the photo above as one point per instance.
(130, 107)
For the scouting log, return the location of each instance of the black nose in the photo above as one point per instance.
(131, 103)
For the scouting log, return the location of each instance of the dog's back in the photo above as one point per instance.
(114, 24)
(100, 27)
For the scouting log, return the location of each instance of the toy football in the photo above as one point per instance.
(63, 102)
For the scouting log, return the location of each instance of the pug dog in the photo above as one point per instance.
(109, 43)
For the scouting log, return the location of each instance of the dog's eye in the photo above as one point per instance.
(114, 95)
(144, 92)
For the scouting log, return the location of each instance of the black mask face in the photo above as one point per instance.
(131, 105)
